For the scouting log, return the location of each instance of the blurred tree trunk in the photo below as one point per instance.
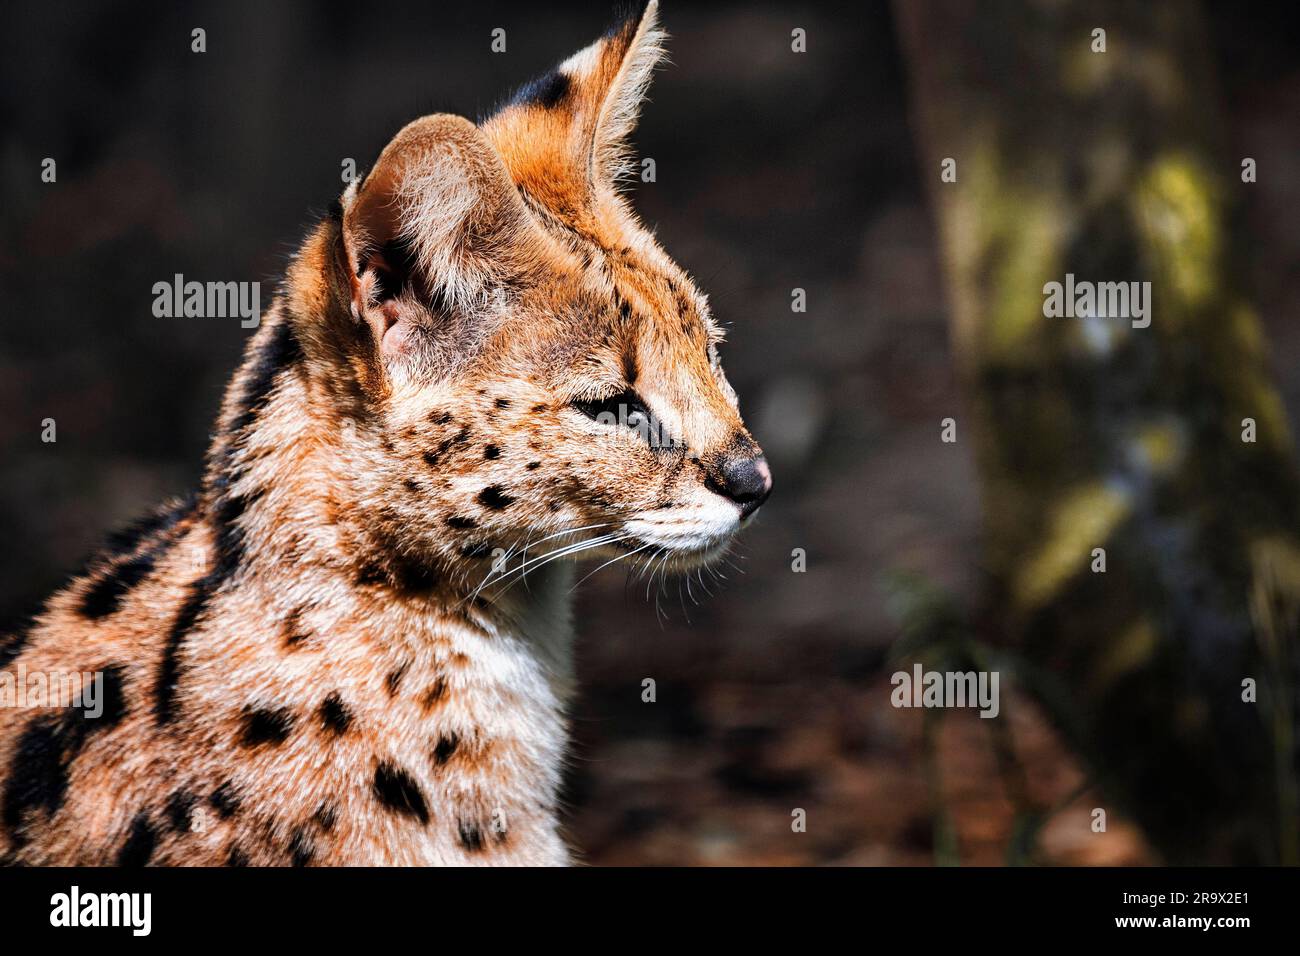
(1090, 433)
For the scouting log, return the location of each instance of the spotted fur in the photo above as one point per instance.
(321, 658)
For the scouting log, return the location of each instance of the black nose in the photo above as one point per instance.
(746, 481)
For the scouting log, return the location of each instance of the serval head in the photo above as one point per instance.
(516, 359)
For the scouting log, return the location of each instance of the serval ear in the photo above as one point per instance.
(564, 136)
(432, 227)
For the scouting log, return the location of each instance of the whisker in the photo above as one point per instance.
(554, 555)
(612, 560)
(557, 552)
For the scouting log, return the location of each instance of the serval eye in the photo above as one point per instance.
(624, 409)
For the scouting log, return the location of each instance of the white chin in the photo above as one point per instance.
(685, 541)
(688, 559)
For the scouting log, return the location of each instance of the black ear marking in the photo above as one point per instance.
(547, 92)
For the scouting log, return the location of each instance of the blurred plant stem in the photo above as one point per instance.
(946, 850)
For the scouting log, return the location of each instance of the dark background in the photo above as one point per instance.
(775, 171)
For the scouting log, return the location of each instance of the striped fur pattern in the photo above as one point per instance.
(353, 645)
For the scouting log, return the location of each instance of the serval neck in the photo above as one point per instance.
(281, 501)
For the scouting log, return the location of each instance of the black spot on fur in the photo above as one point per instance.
(534, 465)
(230, 536)
(301, 847)
(547, 91)
(225, 801)
(471, 837)
(105, 593)
(263, 726)
(111, 697)
(397, 790)
(139, 844)
(180, 806)
(494, 498)
(394, 679)
(434, 695)
(446, 748)
(461, 523)
(491, 452)
(326, 817)
(411, 485)
(411, 575)
(280, 351)
(502, 403)
(440, 418)
(539, 408)
(334, 714)
(38, 767)
(392, 568)
(236, 857)
(431, 458)
(480, 550)
(38, 772)
(196, 602)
